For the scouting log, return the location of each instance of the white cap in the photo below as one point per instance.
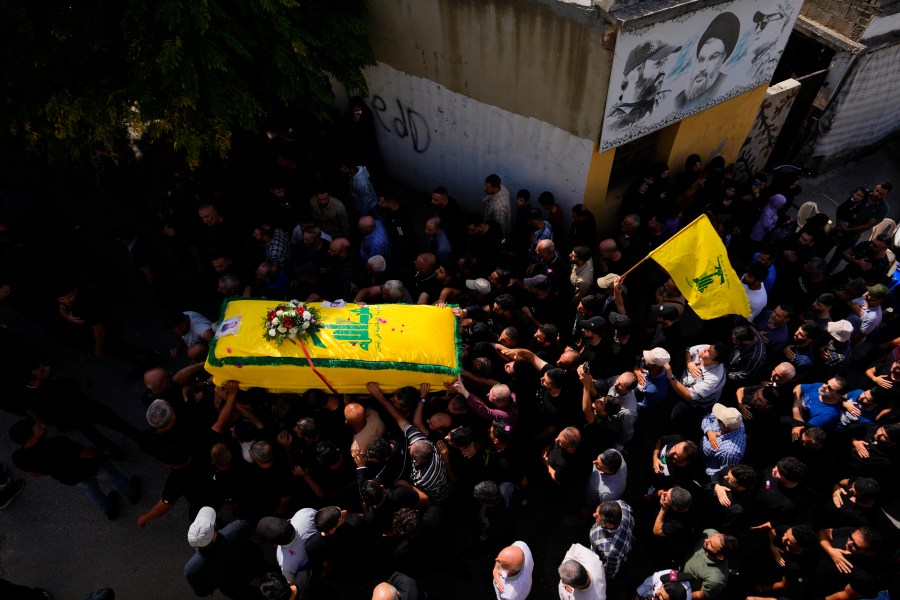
(730, 417)
(657, 356)
(480, 285)
(203, 529)
(840, 330)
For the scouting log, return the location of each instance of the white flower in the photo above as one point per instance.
(305, 325)
(292, 334)
(279, 313)
(276, 321)
(295, 302)
(272, 333)
(293, 330)
(307, 316)
(282, 329)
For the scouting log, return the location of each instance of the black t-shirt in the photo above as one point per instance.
(774, 502)
(191, 481)
(861, 577)
(58, 457)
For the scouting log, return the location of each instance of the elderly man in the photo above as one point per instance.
(725, 440)
(713, 49)
(398, 587)
(428, 474)
(643, 75)
(512, 572)
(376, 241)
(581, 575)
(500, 404)
(612, 535)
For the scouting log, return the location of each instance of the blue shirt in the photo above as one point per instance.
(821, 415)
(376, 243)
(654, 392)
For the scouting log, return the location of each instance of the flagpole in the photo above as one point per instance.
(677, 233)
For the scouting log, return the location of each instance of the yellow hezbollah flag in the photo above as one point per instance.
(697, 261)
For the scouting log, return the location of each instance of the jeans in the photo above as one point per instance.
(109, 475)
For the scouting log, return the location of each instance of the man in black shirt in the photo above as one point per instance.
(71, 464)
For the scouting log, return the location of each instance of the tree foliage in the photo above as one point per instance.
(82, 76)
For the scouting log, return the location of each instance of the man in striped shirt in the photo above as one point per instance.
(428, 475)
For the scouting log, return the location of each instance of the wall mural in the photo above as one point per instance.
(668, 71)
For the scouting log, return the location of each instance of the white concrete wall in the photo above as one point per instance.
(882, 25)
(431, 136)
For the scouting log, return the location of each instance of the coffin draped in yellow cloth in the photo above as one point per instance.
(393, 344)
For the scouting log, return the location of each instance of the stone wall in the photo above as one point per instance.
(847, 17)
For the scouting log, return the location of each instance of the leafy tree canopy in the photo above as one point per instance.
(81, 76)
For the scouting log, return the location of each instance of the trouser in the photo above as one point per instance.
(111, 476)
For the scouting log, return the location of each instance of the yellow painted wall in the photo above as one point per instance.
(597, 184)
(718, 131)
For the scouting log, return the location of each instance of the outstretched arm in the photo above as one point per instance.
(376, 392)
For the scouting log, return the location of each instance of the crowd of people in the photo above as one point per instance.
(676, 457)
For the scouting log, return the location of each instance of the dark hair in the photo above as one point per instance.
(892, 431)
(546, 199)
(592, 304)
(493, 179)
(501, 430)
(486, 492)
(408, 397)
(612, 459)
(792, 469)
(275, 587)
(691, 450)
(174, 319)
(866, 488)
(371, 492)
(557, 376)
(582, 252)
(675, 590)
(743, 333)
(729, 545)
(681, 499)
(440, 190)
(744, 475)
(308, 427)
(611, 512)
(870, 537)
(512, 333)
(406, 521)
(550, 331)
(535, 215)
(816, 435)
(462, 436)
(612, 405)
(523, 193)
(505, 301)
(327, 454)
(379, 449)
(805, 535)
(721, 351)
(328, 518)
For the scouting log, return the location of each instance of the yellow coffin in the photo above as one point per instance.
(393, 344)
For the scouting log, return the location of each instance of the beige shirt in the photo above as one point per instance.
(373, 429)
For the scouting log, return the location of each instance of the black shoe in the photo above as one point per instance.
(12, 489)
(137, 484)
(113, 513)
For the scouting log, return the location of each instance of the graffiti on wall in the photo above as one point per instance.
(665, 72)
(766, 128)
(430, 135)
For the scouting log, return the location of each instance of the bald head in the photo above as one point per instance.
(608, 246)
(385, 591)
(366, 224)
(339, 247)
(155, 378)
(511, 559)
(355, 415)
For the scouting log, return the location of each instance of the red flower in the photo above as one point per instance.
(287, 322)
(271, 315)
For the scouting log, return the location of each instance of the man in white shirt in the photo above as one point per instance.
(753, 281)
(291, 538)
(581, 575)
(700, 386)
(512, 572)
